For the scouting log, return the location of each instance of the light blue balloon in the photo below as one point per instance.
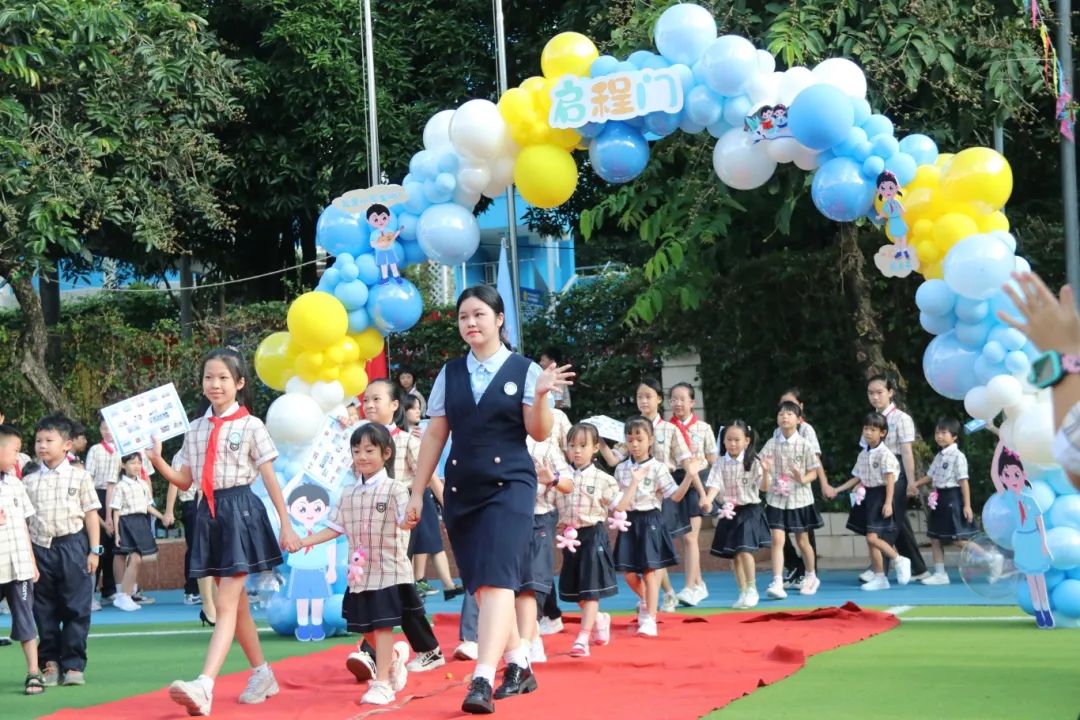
(449, 162)
(1018, 363)
(416, 203)
(949, 366)
(446, 182)
(435, 192)
(877, 125)
(920, 147)
(689, 126)
(625, 66)
(662, 124)
(590, 130)
(884, 146)
(448, 233)
(369, 271)
(728, 63)
(825, 156)
(1054, 577)
(971, 311)
(855, 137)
(736, 109)
(603, 65)
(977, 266)
(985, 370)
(358, 320)
(347, 270)
(872, 167)
(685, 76)
(683, 32)
(861, 107)
(702, 106)
(840, 192)
(353, 295)
(619, 154)
(281, 613)
(936, 324)
(413, 253)
(993, 352)
(394, 306)
(718, 128)
(1043, 494)
(1055, 476)
(998, 520)
(338, 231)
(1065, 597)
(973, 335)
(407, 226)
(821, 116)
(1064, 545)
(1065, 512)
(1010, 338)
(903, 166)
(862, 151)
(330, 278)
(424, 165)
(655, 62)
(639, 58)
(935, 297)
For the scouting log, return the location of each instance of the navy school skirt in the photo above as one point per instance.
(947, 520)
(238, 541)
(589, 573)
(492, 539)
(541, 555)
(799, 520)
(746, 532)
(693, 500)
(372, 610)
(866, 517)
(426, 538)
(136, 537)
(646, 545)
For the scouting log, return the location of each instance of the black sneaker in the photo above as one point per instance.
(516, 681)
(451, 593)
(478, 699)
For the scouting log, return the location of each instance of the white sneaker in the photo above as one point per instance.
(361, 665)
(550, 627)
(642, 612)
(866, 575)
(192, 695)
(399, 674)
(379, 693)
(647, 627)
(701, 592)
(879, 582)
(740, 604)
(903, 570)
(810, 585)
(669, 604)
(687, 596)
(467, 650)
(536, 651)
(261, 685)
(937, 579)
(426, 661)
(752, 598)
(4, 609)
(601, 632)
(95, 605)
(125, 603)
(776, 590)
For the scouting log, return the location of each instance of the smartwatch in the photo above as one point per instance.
(1050, 368)
(98, 550)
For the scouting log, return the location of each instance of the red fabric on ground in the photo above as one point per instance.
(696, 665)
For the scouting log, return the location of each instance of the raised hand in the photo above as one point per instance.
(554, 378)
(1052, 323)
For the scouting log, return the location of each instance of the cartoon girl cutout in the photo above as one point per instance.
(896, 260)
(780, 128)
(1030, 552)
(759, 123)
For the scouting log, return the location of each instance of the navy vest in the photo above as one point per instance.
(488, 453)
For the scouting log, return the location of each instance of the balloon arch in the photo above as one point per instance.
(941, 213)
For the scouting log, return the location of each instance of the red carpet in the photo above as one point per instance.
(697, 664)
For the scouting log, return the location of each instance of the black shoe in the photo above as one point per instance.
(451, 593)
(478, 700)
(205, 620)
(516, 681)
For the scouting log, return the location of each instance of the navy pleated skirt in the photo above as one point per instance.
(238, 541)
(646, 545)
(866, 517)
(947, 520)
(136, 537)
(426, 537)
(746, 532)
(589, 573)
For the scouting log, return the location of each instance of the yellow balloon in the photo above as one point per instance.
(354, 379)
(944, 160)
(516, 107)
(317, 320)
(532, 84)
(370, 343)
(546, 175)
(273, 364)
(335, 355)
(979, 174)
(926, 176)
(932, 271)
(918, 205)
(928, 253)
(308, 365)
(950, 229)
(568, 53)
(350, 350)
(330, 373)
(992, 221)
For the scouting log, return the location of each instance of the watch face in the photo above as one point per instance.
(1045, 370)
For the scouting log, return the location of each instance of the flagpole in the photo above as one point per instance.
(511, 210)
(1068, 151)
(374, 172)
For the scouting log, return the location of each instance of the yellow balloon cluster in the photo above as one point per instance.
(957, 196)
(317, 347)
(526, 109)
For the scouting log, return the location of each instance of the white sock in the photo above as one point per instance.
(939, 568)
(518, 656)
(879, 575)
(484, 671)
(207, 682)
(302, 621)
(778, 579)
(120, 588)
(810, 575)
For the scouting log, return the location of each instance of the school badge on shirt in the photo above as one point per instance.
(234, 440)
(510, 388)
(590, 489)
(380, 507)
(72, 491)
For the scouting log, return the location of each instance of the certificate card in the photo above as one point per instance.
(609, 428)
(330, 454)
(137, 421)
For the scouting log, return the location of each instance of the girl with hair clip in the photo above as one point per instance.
(1030, 552)
(739, 478)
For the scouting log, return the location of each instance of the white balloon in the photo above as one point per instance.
(782, 150)
(437, 131)
(328, 394)
(741, 164)
(794, 81)
(763, 89)
(1004, 391)
(502, 174)
(466, 198)
(298, 386)
(478, 130)
(294, 418)
(474, 177)
(1033, 434)
(844, 74)
(807, 158)
(766, 61)
(1005, 432)
(978, 405)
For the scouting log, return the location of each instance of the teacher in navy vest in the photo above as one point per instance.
(490, 399)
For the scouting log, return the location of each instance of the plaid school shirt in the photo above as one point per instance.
(949, 467)
(406, 454)
(594, 494)
(791, 458)
(653, 488)
(102, 465)
(16, 555)
(1066, 447)
(370, 514)
(243, 445)
(560, 428)
(546, 452)
(131, 497)
(193, 490)
(901, 429)
(808, 432)
(737, 485)
(873, 464)
(702, 440)
(668, 445)
(61, 497)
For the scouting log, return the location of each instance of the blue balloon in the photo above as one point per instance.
(359, 320)
(413, 253)
(619, 154)
(603, 65)
(685, 76)
(341, 582)
(861, 107)
(998, 520)
(840, 191)
(424, 165)
(353, 295)
(1010, 338)
(993, 351)
(862, 151)
(884, 146)
(347, 269)
(683, 32)
(407, 226)
(369, 271)
(903, 166)
(877, 125)
(1065, 512)
(978, 265)
(338, 231)
(935, 297)
(986, 369)
(1055, 476)
(1043, 494)
(1053, 577)
(281, 613)
(435, 192)
(689, 126)
(703, 106)
(416, 203)
(449, 162)
(973, 335)
(855, 137)
(736, 109)
(639, 58)
(590, 130)
(821, 116)
(448, 234)
(1023, 598)
(921, 148)
(1065, 597)
(718, 128)
(872, 167)
(394, 306)
(1018, 363)
(970, 311)
(937, 324)
(1064, 545)
(949, 366)
(625, 66)
(728, 63)
(662, 124)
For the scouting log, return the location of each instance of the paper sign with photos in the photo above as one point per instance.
(135, 422)
(609, 428)
(329, 454)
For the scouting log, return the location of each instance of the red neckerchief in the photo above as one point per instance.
(308, 548)
(684, 428)
(18, 470)
(108, 448)
(211, 453)
(394, 430)
(1023, 515)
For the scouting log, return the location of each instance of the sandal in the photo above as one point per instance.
(34, 685)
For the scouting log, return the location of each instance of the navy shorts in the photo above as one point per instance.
(20, 598)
